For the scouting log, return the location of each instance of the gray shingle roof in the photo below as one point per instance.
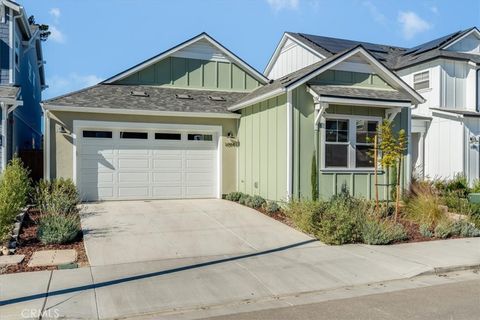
(392, 56)
(157, 99)
(359, 93)
(9, 92)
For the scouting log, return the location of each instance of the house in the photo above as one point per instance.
(445, 129)
(22, 79)
(197, 121)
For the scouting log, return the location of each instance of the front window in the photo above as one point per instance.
(421, 80)
(349, 143)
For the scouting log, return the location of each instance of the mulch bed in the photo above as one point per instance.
(28, 244)
(413, 232)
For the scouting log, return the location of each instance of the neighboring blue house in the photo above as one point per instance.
(22, 79)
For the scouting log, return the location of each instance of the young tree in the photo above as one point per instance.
(314, 179)
(390, 147)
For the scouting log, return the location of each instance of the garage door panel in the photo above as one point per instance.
(168, 177)
(146, 169)
(135, 163)
(167, 192)
(133, 192)
(133, 177)
(164, 164)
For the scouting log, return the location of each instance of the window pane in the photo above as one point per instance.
(372, 126)
(167, 136)
(331, 124)
(343, 125)
(361, 125)
(97, 134)
(134, 135)
(331, 136)
(421, 85)
(362, 137)
(342, 136)
(362, 158)
(336, 155)
(200, 137)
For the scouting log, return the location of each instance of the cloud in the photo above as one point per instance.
(63, 84)
(434, 9)
(412, 24)
(56, 13)
(56, 35)
(376, 14)
(278, 5)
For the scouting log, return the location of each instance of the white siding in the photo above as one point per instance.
(469, 44)
(292, 57)
(454, 85)
(472, 131)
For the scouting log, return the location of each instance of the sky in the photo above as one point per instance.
(92, 40)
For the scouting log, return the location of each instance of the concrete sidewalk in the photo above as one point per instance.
(185, 288)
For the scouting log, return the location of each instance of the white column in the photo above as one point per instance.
(46, 146)
(289, 145)
(4, 134)
(421, 153)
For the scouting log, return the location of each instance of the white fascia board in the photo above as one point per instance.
(376, 64)
(142, 112)
(474, 30)
(278, 50)
(202, 36)
(363, 102)
(267, 95)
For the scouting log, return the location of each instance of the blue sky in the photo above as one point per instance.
(92, 40)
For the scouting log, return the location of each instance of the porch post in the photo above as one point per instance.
(421, 153)
(4, 134)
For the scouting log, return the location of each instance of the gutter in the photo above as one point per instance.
(260, 98)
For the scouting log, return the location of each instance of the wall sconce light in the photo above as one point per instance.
(230, 135)
(474, 139)
(62, 130)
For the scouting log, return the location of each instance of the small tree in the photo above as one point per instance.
(391, 148)
(314, 179)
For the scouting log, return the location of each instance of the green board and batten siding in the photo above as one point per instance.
(193, 73)
(262, 158)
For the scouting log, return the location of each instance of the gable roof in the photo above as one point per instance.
(393, 57)
(296, 78)
(202, 36)
(111, 97)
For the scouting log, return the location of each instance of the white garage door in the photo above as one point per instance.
(146, 164)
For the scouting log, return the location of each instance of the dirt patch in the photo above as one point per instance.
(28, 243)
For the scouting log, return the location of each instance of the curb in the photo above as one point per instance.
(441, 270)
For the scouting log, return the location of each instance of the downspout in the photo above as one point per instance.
(289, 145)
(408, 167)
(46, 143)
(4, 134)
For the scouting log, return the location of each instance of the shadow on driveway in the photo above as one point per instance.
(150, 275)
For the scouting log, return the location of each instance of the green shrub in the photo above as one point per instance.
(234, 196)
(255, 202)
(58, 228)
(425, 231)
(58, 196)
(423, 205)
(458, 185)
(244, 198)
(443, 229)
(338, 223)
(464, 228)
(474, 215)
(303, 213)
(455, 203)
(14, 191)
(476, 186)
(380, 232)
(271, 207)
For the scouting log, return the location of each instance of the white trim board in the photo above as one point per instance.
(474, 30)
(203, 36)
(142, 112)
(88, 124)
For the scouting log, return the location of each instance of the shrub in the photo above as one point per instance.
(244, 198)
(458, 185)
(58, 196)
(303, 213)
(338, 223)
(423, 205)
(58, 228)
(425, 231)
(455, 203)
(14, 191)
(234, 196)
(378, 232)
(464, 228)
(271, 207)
(476, 186)
(443, 229)
(255, 202)
(474, 215)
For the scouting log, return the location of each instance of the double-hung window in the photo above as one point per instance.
(349, 143)
(421, 80)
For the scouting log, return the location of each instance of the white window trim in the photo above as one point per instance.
(351, 144)
(428, 80)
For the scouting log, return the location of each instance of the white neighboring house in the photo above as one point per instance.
(445, 130)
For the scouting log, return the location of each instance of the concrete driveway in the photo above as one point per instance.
(133, 231)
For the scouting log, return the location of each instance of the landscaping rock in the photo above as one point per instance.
(5, 251)
(12, 259)
(52, 258)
